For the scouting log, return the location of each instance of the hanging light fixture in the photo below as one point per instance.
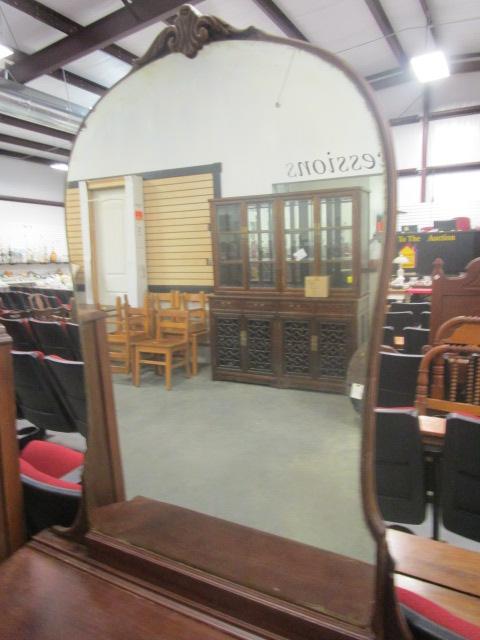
(32, 105)
(59, 166)
(430, 66)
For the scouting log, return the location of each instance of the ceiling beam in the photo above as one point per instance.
(66, 76)
(97, 35)
(387, 30)
(37, 128)
(429, 18)
(31, 144)
(61, 23)
(50, 203)
(25, 156)
(437, 115)
(469, 63)
(78, 81)
(279, 18)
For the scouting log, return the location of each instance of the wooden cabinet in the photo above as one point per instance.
(286, 342)
(264, 329)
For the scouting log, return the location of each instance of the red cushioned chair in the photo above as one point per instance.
(428, 620)
(50, 475)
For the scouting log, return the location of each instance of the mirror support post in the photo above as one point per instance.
(105, 485)
(12, 530)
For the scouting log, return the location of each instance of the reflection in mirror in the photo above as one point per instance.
(252, 173)
(429, 436)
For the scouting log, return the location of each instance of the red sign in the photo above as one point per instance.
(138, 214)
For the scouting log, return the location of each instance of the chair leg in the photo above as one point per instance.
(168, 370)
(136, 368)
(194, 343)
(187, 361)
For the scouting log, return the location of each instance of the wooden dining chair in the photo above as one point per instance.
(124, 329)
(168, 350)
(197, 306)
(156, 301)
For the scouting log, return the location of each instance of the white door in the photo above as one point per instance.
(108, 213)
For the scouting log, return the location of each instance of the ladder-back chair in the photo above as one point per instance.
(124, 329)
(168, 350)
(156, 301)
(196, 305)
(449, 380)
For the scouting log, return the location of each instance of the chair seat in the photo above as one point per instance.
(121, 338)
(165, 343)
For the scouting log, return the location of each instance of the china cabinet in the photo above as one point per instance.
(264, 329)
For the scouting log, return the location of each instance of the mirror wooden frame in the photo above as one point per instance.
(103, 481)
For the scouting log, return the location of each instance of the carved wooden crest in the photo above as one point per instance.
(189, 33)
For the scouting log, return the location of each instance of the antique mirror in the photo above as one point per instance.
(251, 489)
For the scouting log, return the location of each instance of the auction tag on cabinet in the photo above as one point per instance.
(300, 254)
(356, 391)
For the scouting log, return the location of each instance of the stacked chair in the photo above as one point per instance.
(125, 328)
(164, 333)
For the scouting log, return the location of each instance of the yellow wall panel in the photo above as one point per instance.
(177, 230)
(74, 227)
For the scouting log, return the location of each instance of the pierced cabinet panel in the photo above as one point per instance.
(296, 342)
(227, 340)
(259, 345)
(333, 349)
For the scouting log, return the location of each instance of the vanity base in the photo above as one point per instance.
(232, 569)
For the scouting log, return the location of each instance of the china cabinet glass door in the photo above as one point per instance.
(299, 241)
(230, 260)
(336, 240)
(261, 245)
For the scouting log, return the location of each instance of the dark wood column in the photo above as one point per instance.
(12, 530)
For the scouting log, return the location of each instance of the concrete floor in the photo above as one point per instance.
(279, 460)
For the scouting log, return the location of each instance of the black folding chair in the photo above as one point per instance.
(397, 382)
(37, 398)
(20, 332)
(73, 331)
(70, 384)
(460, 498)
(415, 307)
(399, 466)
(415, 339)
(52, 338)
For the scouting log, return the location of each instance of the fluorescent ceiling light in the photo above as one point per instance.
(5, 51)
(59, 166)
(38, 107)
(430, 66)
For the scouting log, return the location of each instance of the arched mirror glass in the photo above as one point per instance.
(253, 173)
